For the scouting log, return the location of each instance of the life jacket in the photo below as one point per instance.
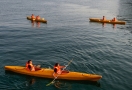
(114, 19)
(32, 67)
(103, 18)
(58, 69)
(27, 66)
(37, 17)
(32, 17)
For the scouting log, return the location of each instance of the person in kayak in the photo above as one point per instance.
(37, 17)
(32, 17)
(31, 67)
(114, 19)
(58, 69)
(104, 18)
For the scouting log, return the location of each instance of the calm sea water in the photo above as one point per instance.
(94, 48)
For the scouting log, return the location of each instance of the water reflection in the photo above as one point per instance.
(25, 84)
(35, 24)
(62, 85)
(113, 25)
(65, 84)
(105, 24)
(19, 81)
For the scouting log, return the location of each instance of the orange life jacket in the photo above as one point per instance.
(114, 19)
(58, 69)
(103, 18)
(27, 66)
(37, 17)
(32, 17)
(32, 67)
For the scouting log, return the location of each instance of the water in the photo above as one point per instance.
(68, 34)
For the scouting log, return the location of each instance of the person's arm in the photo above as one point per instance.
(32, 67)
(62, 66)
(54, 75)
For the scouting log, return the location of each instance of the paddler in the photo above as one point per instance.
(37, 17)
(103, 18)
(31, 67)
(32, 17)
(114, 19)
(58, 69)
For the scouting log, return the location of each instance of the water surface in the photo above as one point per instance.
(68, 34)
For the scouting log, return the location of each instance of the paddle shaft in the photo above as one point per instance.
(59, 74)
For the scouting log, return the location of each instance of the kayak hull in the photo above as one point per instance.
(40, 20)
(48, 73)
(106, 21)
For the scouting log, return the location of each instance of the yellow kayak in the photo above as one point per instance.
(106, 21)
(48, 73)
(40, 20)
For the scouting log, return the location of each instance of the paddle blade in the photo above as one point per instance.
(50, 83)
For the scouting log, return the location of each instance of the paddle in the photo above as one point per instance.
(59, 74)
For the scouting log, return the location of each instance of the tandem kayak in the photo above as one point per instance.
(48, 73)
(106, 21)
(40, 20)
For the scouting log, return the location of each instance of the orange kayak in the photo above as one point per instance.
(106, 21)
(48, 73)
(40, 20)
